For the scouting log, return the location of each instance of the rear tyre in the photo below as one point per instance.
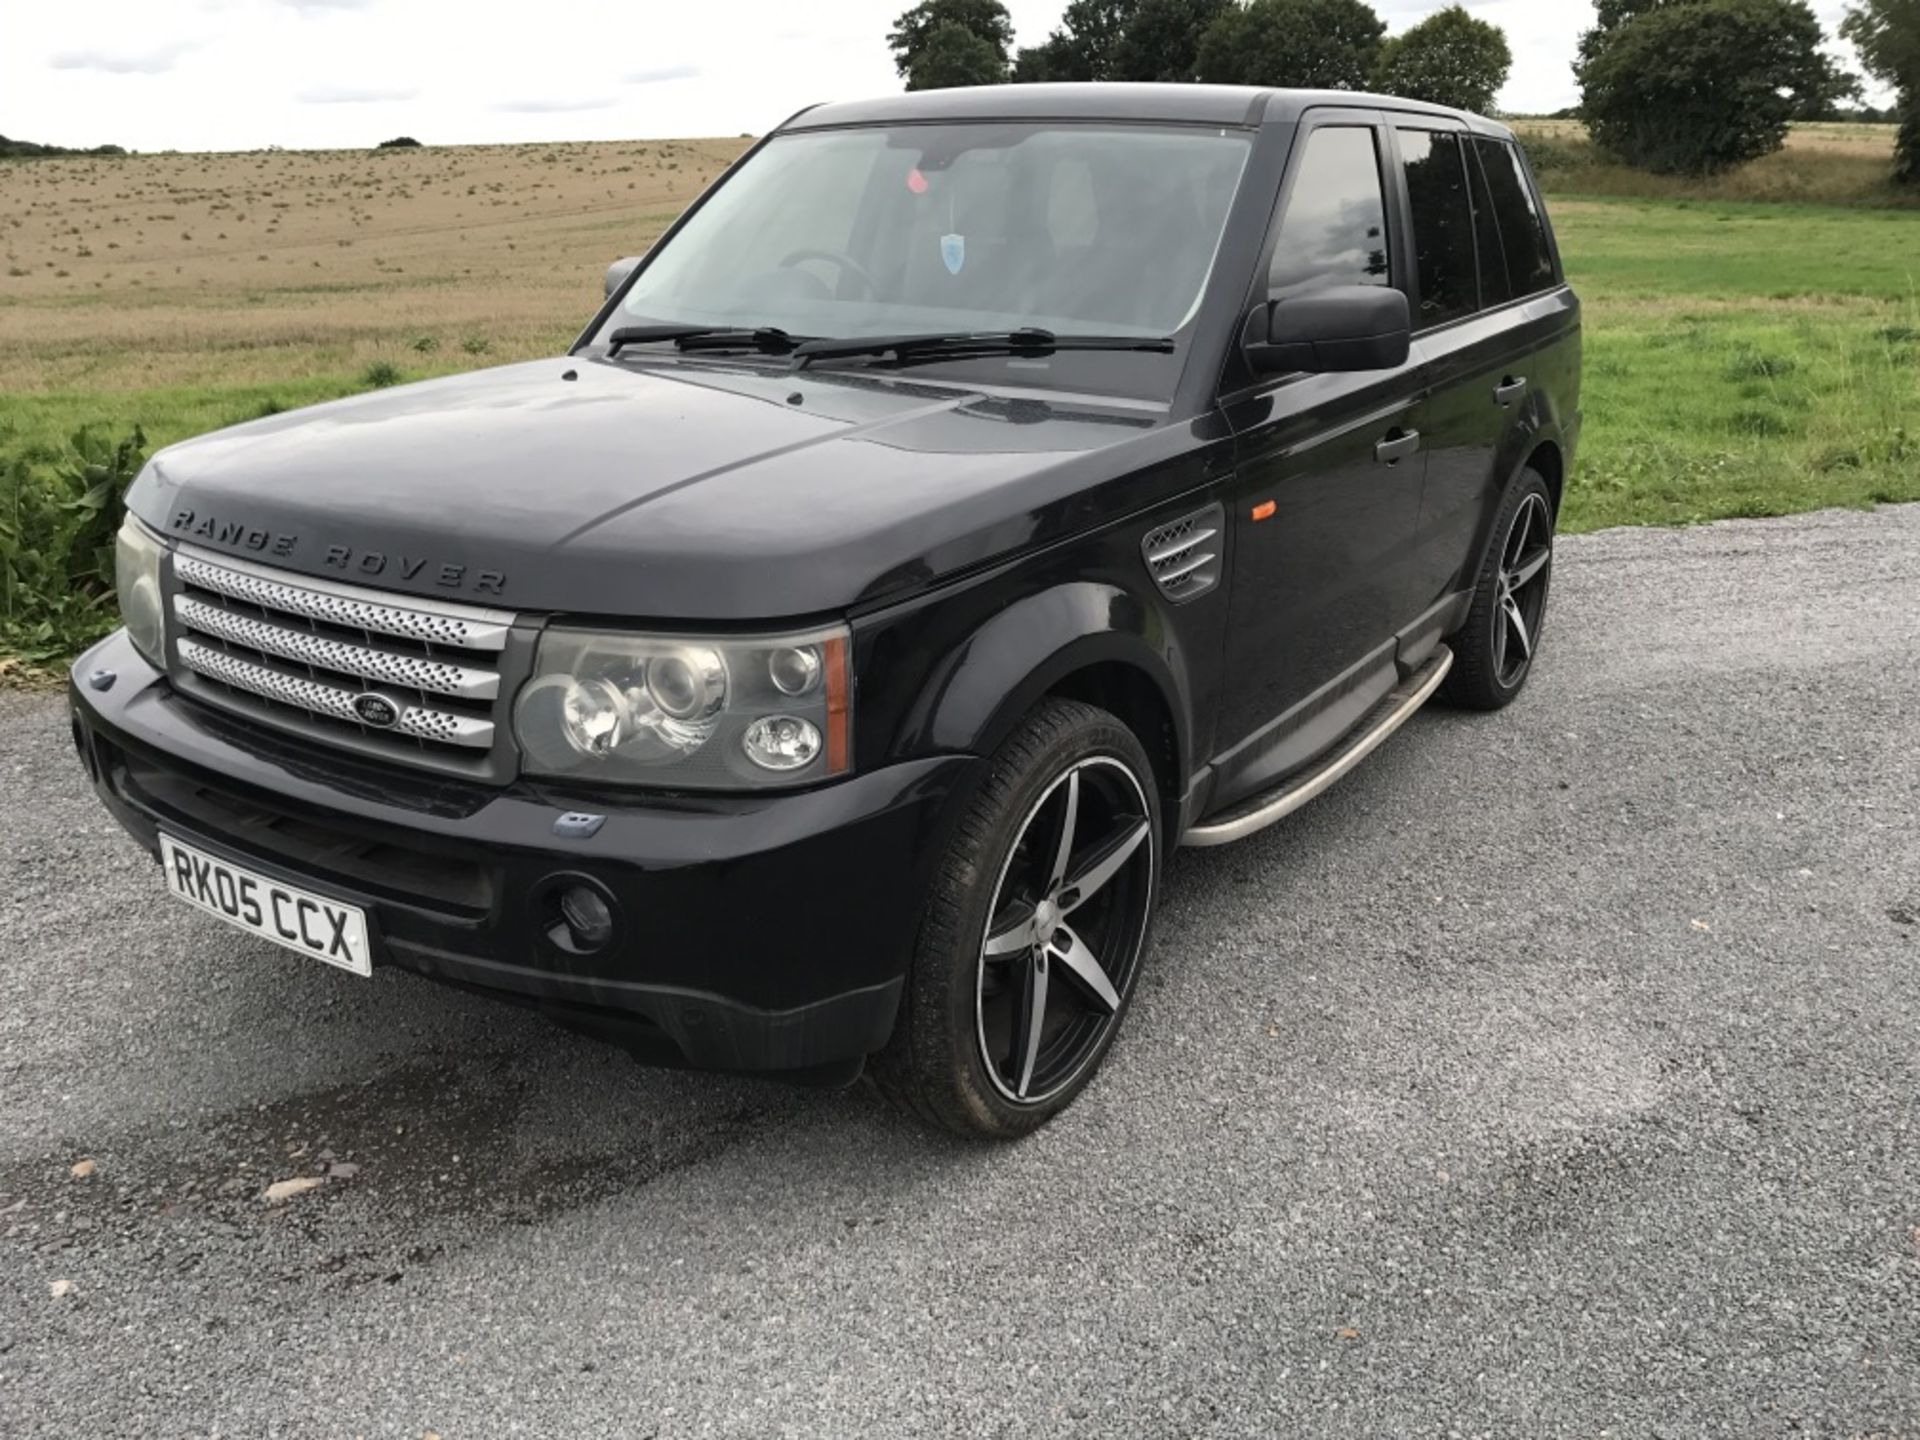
(1035, 926)
(1493, 651)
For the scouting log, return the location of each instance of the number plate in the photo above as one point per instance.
(298, 919)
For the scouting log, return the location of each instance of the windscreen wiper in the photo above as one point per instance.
(768, 339)
(960, 344)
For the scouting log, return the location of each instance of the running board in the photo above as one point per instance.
(1393, 711)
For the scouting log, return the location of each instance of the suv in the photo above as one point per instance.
(973, 496)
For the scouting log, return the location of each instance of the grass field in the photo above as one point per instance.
(1821, 165)
(189, 291)
(1742, 358)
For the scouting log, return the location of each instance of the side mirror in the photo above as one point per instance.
(618, 271)
(1344, 327)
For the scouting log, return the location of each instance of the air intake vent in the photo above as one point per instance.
(1184, 557)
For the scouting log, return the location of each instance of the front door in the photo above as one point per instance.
(1327, 494)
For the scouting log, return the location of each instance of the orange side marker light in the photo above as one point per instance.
(1264, 510)
(837, 706)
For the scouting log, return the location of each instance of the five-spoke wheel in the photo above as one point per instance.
(1064, 929)
(1495, 646)
(1522, 587)
(1036, 924)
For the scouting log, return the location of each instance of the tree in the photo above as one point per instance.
(399, 142)
(984, 20)
(1887, 35)
(1053, 59)
(1449, 58)
(1160, 40)
(1082, 48)
(1316, 44)
(1699, 86)
(954, 56)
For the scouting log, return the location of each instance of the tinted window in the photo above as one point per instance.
(1442, 226)
(1522, 234)
(1494, 289)
(1334, 231)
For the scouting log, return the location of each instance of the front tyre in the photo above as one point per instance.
(1035, 927)
(1493, 651)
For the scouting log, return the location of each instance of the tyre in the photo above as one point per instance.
(1036, 922)
(1493, 650)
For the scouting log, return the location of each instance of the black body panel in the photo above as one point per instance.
(980, 528)
(453, 875)
(659, 489)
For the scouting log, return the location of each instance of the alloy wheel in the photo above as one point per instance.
(1520, 595)
(1064, 930)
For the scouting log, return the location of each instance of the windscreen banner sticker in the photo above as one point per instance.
(953, 250)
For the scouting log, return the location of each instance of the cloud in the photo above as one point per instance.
(662, 74)
(155, 61)
(555, 106)
(350, 95)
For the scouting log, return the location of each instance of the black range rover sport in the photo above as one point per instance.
(973, 496)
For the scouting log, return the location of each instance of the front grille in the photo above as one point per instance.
(413, 679)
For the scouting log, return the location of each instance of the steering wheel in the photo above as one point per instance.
(842, 261)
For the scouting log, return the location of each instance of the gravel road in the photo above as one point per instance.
(1556, 1074)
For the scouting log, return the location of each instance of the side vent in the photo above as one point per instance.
(1184, 556)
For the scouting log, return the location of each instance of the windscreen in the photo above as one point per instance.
(935, 228)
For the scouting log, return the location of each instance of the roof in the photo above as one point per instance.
(1179, 104)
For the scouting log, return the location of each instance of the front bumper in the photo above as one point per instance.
(753, 932)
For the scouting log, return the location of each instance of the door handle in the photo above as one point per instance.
(1510, 390)
(1396, 447)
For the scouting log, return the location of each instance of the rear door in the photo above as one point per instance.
(1327, 495)
(1469, 206)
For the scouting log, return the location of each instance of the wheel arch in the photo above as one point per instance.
(1546, 457)
(1087, 641)
(1125, 690)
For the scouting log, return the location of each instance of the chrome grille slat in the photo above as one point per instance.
(308, 648)
(317, 658)
(462, 627)
(417, 722)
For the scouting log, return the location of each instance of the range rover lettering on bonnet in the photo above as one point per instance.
(344, 558)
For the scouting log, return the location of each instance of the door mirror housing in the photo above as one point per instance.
(618, 271)
(1341, 328)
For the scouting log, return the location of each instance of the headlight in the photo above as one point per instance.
(136, 581)
(696, 714)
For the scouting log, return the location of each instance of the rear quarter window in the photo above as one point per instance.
(1516, 213)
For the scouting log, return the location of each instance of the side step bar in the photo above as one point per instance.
(1393, 711)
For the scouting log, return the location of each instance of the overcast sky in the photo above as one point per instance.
(241, 74)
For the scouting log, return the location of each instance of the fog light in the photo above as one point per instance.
(781, 742)
(576, 914)
(586, 917)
